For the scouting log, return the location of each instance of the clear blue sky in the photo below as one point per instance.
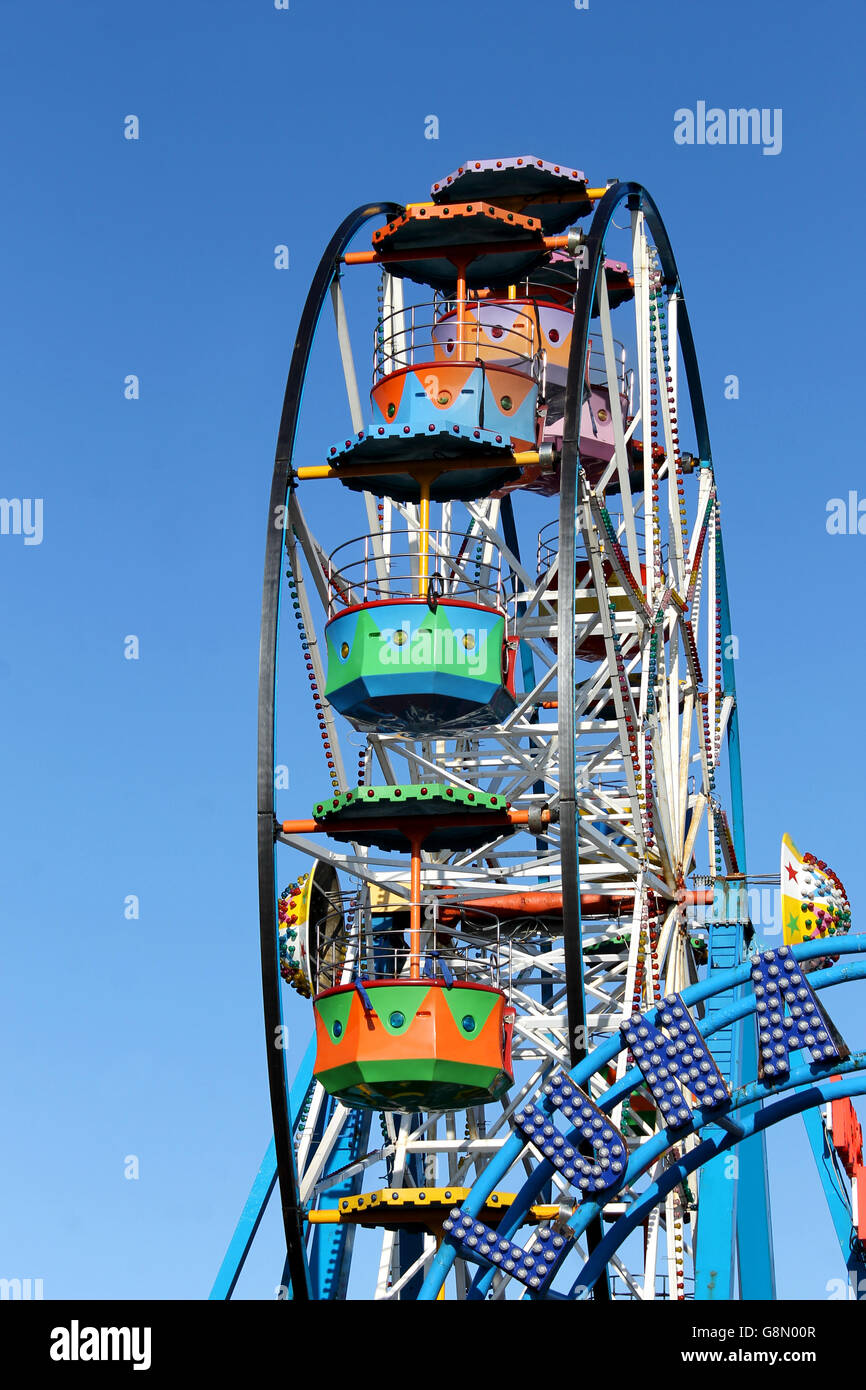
(155, 257)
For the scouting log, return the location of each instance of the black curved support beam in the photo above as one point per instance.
(637, 198)
(296, 1262)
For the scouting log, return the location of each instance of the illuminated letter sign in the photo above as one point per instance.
(588, 1175)
(682, 1057)
(779, 983)
(534, 1267)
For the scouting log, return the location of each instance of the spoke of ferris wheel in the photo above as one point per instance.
(675, 552)
(683, 787)
(667, 937)
(441, 768)
(415, 1139)
(606, 979)
(698, 809)
(503, 1121)
(727, 710)
(360, 1165)
(417, 1266)
(616, 419)
(667, 840)
(672, 730)
(308, 1128)
(356, 412)
(323, 1150)
(551, 970)
(389, 1265)
(628, 1279)
(541, 738)
(640, 274)
(652, 1245)
(522, 869)
(313, 552)
(705, 486)
(389, 1239)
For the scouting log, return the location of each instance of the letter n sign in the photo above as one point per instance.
(779, 983)
(681, 1058)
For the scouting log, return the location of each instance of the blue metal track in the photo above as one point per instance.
(331, 1246)
(715, 1238)
(757, 1278)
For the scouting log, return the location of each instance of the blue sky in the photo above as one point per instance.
(155, 257)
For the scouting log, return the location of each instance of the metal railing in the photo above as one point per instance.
(388, 565)
(331, 933)
(548, 541)
(596, 369)
(379, 950)
(428, 333)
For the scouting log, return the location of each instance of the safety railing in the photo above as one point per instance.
(548, 541)
(596, 368)
(496, 332)
(331, 934)
(397, 564)
(468, 950)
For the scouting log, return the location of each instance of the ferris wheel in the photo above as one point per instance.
(524, 864)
